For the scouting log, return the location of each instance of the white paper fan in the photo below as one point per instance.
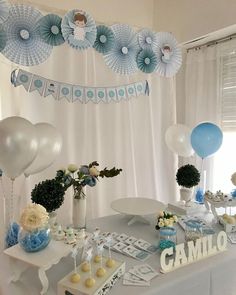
(168, 54)
(4, 10)
(24, 45)
(122, 57)
(147, 39)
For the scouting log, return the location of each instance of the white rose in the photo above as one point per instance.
(175, 218)
(34, 216)
(93, 171)
(161, 224)
(72, 168)
(166, 222)
(161, 214)
(171, 223)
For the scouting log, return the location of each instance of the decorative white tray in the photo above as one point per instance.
(102, 285)
(137, 208)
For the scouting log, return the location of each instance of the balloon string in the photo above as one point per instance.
(11, 211)
(4, 201)
(202, 176)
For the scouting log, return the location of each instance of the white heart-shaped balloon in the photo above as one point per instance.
(18, 145)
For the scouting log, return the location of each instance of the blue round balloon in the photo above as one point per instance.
(206, 139)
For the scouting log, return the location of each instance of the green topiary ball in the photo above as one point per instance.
(188, 176)
(49, 194)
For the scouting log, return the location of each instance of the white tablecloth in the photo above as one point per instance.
(212, 276)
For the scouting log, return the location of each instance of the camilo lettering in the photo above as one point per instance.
(200, 249)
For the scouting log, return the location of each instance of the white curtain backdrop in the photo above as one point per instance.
(201, 93)
(128, 135)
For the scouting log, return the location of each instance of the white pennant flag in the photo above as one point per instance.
(52, 88)
(78, 93)
(38, 83)
(65, 91)
(23, 78)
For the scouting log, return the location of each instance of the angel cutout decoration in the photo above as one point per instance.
(100, 247)
(167, 52)
(79, 25)
(96, 234)
(88, 254)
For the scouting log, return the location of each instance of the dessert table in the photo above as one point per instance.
(212, 276)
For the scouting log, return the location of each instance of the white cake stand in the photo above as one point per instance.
(137, 208)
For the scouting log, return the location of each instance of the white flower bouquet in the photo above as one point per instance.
(165, 219)
(34, 217)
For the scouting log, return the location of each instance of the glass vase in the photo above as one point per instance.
(79, 210)
(167, 237)
(34, 241)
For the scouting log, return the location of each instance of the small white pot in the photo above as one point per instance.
(186, 195)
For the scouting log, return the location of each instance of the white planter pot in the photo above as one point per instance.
(186, 195)
(79, 213)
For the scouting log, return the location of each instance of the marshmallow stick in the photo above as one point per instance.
(85, 242)
(74, 252)
(100, 249)
(108, 240)
(88, 257)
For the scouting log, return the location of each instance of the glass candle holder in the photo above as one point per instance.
(193, 230)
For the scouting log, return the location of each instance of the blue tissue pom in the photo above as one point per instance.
(91, 181)
(164, 244)
(233, 193)
(199, 196)
(12, 235)
(84, 169)
(34, 241)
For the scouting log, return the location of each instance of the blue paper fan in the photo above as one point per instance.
(147, 39)
(24, 45)
(147, 60)
(50, 29)
(79, 29)
(122, 57)
(4, 10)
(3, 38)
(105, 39)
(168, 54)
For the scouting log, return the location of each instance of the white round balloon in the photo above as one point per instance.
(233, 178)
(50, 143)
(177, 138)
(18, 145)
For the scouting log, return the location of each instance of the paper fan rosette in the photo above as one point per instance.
(147, 60)
(24, 45)
(168, 54)
(105, 39)
(3, 38)
(122, 57)
(147, 39)
(4, 10)
(79, 29)
(50, 29)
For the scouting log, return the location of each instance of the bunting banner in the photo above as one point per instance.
(73, 93)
